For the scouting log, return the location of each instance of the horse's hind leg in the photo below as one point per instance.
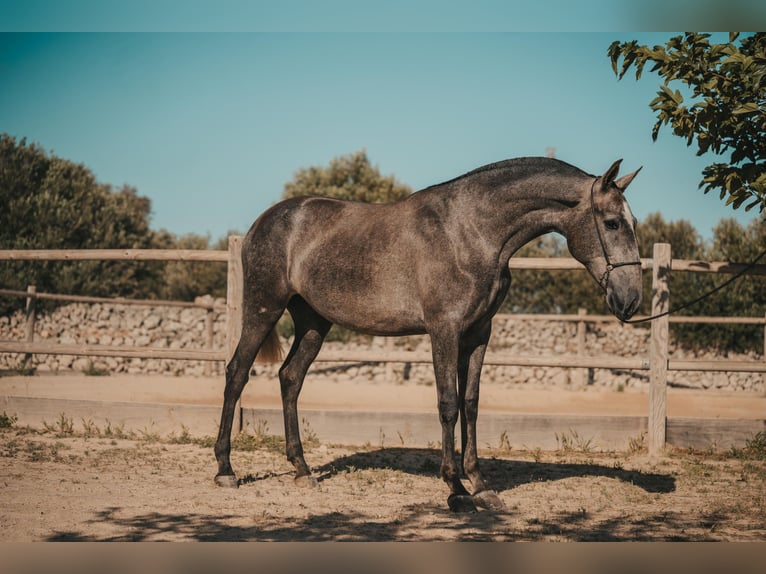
(310, 331)
(256, 327)
(469, 373)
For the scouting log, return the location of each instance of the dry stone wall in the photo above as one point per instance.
(185, 328)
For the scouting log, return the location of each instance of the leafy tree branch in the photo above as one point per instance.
(722, 106)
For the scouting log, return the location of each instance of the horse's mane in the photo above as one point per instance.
(521, 168)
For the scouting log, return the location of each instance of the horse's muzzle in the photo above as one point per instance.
(623, 305)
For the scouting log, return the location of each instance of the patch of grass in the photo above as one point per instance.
(505, 442)
(8, 421)
(19, 372)
(92, 371)
(90, 429)
(637, 444)
(149, 434)
(116, 432)
(9, 449)
(184, 438)
(573, 442)
(308, 436)
(63, 427)
(43, 452)
(754, 449)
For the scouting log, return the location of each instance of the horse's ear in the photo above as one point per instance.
(608, 178)
(625, 180)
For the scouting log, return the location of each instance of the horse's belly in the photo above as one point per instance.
(376, 310)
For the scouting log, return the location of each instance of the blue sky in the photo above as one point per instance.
(211, 125)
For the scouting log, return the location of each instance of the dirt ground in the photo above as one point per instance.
(63, 484)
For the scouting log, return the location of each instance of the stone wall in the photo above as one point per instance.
(185, 328)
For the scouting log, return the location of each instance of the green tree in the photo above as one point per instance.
(540, 291)
(185, 280)
(745, 297)
(686, 243)
(351, 177)
(347, 177)
(52, 203)
(722, 107)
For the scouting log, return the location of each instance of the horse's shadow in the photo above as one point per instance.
(500, 474)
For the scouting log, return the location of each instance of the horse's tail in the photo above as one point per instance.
(271, 349)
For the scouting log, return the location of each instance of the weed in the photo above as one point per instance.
(505, 442)
(9, 449)
(116, 432)
(43, 452)
(149, 435)
(184, 438)
(260, 438)
(90, 429)
(573, 442)
(92, 371)
(21, 371)
(7, 421)
(754, 449)
(309, 437)
(63, 427)
(637, 444)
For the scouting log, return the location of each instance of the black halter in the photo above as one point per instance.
(604, 281)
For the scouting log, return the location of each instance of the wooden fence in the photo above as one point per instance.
(657, 361)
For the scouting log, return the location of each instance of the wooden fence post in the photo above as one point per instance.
(209, 339)
(30, 322)
(582, 376)
(658, 348)
(234, 289)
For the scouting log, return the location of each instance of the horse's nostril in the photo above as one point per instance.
(624, 309)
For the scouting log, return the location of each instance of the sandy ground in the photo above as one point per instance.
(59, 487)
(100, 484)
(263, 391)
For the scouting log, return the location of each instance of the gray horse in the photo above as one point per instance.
(435, 262)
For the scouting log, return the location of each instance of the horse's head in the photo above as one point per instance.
(602, 236)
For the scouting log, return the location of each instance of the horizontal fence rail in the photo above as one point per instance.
(656, 360)
(111, 300)
(113, 255)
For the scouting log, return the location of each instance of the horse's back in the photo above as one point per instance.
(353, 262)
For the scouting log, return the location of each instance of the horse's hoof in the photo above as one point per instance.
(461, 503)
(227, 481)
(306, 481)
(489, 500)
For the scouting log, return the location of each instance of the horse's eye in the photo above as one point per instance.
(612, 224)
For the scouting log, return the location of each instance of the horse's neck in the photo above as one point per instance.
(512, 215)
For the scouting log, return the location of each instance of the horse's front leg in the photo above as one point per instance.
(471, 361)
(445, 356)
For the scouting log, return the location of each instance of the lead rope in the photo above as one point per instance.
(729, 281)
